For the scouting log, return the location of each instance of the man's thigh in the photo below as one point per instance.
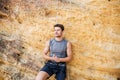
(42, 75)
(60, 76)
(45, 72)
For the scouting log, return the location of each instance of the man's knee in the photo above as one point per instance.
(42, 76)
(39, 77)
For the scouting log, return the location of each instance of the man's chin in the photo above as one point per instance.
(57, 36)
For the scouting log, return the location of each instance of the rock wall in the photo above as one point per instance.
(92, 26)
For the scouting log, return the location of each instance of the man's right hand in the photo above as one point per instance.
(55, 58)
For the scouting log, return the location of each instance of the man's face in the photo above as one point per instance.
(58, 32)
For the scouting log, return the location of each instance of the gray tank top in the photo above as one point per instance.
(58, 48)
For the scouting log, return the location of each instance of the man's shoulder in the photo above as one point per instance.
(51, 41)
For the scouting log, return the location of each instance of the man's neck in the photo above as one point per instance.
(58, 38)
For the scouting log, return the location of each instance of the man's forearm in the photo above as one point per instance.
(67, 59)
(47, 57)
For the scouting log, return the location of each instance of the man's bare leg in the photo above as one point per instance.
(42, 75)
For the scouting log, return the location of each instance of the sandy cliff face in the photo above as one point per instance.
(93, 27)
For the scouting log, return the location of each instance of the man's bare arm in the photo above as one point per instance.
(46, 50)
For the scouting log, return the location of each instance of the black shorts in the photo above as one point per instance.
(55, 68)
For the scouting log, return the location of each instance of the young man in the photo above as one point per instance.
(60, 53)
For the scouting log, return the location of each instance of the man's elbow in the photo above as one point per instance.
(44, 56)
(69, 59)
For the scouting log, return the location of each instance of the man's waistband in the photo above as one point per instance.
(57, 63)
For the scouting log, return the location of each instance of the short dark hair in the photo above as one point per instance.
(59, 25)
